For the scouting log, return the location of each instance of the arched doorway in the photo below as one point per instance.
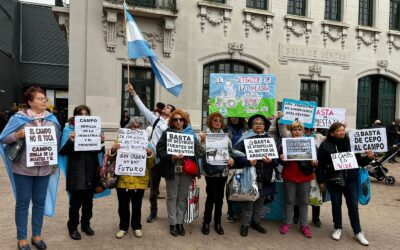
(223, 66)
(376, 99)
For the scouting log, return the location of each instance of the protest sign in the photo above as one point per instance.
(324, 117)
(131, 163)
(178, 143)
(41, 146)
(217, 151)
(132, 139)
(242, 95)
(301, 111)
(368, 139)
(87, 133)
(258, 148)
(345, 160)
(299, 149)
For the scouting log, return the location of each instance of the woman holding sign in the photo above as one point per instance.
(31, 168)
(253, 211)
(215, 174)
(178, 140)
(341, 182)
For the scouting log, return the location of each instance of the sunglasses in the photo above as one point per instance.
(178, 120)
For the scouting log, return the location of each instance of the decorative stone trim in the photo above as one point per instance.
(259, 20)
(110, 29)
(393, 40)
(168, 36)
(334, 31)
(315, 71)
(382, 65)
(367, 36)
(62, 15)
(215, 14)
(236, 50)
(298, 26)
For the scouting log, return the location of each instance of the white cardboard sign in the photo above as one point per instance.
(324, 117)
(178, 143)
(87, 133)
(299, 149)
(41, 146)
(345, 160)
(368, 139)
(258, 148)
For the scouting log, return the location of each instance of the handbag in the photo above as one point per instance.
(189, 166)
(14, 150)
(107, 174)
(192, 211)
(213, 169)
(338, 179)
(305, 167)
(242, 185)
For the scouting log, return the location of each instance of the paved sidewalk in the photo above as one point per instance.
(380, 220)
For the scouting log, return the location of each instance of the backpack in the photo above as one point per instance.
(107, 174)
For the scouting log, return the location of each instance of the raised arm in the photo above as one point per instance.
(150, 116)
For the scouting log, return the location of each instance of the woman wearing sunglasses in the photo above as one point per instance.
(177, 181)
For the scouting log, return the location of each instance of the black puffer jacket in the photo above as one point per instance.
(82, 168)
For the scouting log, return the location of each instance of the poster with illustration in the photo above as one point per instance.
(242, 95)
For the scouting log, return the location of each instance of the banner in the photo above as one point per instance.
(131, 163)
(324, 117)
(41, 146)
(132, 139)
(301, 111)
(258, 148)
(368, 139)
(299, 149)
(178, 143)
(345, 160)
(87, 133)
(242, 95)
(217, 148)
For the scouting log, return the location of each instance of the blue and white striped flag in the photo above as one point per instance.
(138, 47)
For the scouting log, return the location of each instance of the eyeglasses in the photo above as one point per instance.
(178, 120)
(217, 120)
(41, 99)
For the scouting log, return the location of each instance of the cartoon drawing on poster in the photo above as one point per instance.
(242, 95)
(131, 163)
(87, 133)
(217, 149)
(41, 146)
(302, 111)
(299, 149)
(258, 148)
(324, 117)
(345, 160)
(178, 143)
(368, 139)
(132, 139)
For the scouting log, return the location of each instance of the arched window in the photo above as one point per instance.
(228, 67)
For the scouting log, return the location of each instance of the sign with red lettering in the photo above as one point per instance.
(345, 160)
(41, 146)
(368, 139)
(324, 117)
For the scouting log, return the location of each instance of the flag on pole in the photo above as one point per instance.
(138, 48)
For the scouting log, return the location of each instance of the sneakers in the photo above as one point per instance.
(336, 234)
(120, 234)
(138, 233)
(306, 231)
(151, 218)
(361, 238)
(285, 228)
(230, 219)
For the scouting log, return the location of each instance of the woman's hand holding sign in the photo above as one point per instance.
(20, 134)
(72, 136)
(370, 154)
(266, 159)
(177, 157)
(231, 162)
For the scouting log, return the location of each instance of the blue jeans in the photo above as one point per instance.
(350, 192)
(27, 188)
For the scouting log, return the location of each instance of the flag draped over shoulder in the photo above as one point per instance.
(138, 48)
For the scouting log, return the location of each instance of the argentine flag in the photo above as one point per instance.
(138, 47)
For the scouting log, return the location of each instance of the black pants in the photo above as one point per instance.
(155, 179)
(126, 196)
(78, 199)
(215, 195)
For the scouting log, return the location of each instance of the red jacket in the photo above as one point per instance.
(291, 172)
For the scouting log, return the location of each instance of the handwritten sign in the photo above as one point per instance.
(258, 148)
(217, 148)
(87, 133)
(346, 160)
(41, 146)
(368, 139)
(301, 111)
(132, 139)
(299, 149)
(324, 117)
(131, 163)
(242, 95)
(178, 143)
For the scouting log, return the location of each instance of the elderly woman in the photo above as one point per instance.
(253, 211)
(336, 142)
(215, 178)
(82, 178)
(130, 189)
(177, 181)
(31, 183)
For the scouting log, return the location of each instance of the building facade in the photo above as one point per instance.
(339, 53)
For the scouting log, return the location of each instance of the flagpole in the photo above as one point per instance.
(126, 39)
